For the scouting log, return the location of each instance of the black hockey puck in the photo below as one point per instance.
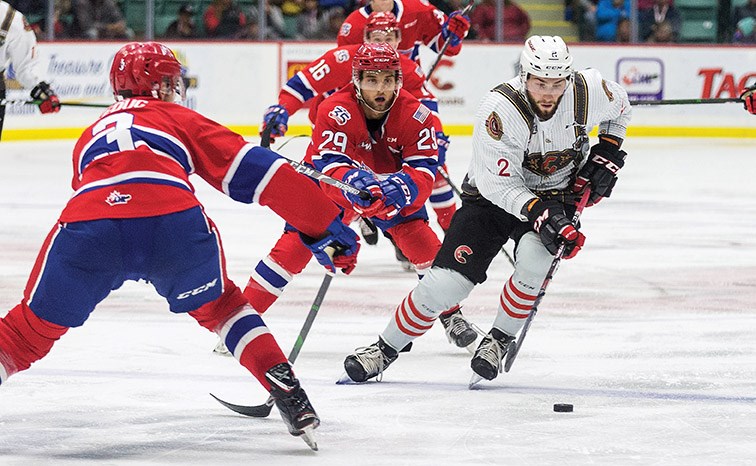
(563, 408)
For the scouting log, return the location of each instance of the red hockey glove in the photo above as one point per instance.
(49, 102)
(749, 99)
(550, 222)
(455, 28)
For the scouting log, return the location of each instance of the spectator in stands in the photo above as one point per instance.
(308, 21)
(274, 19)
(224, 19)
(584, 16)
(515, 24)
(624, 31)
(184, 26)
(744, 31)
(661, 11)
(745, 11)
(329, 24)
(100, 19)
(662, 33)
(608, 15)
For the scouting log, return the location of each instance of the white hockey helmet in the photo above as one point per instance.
(545, 57)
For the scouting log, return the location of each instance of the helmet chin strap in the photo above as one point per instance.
(380, 112)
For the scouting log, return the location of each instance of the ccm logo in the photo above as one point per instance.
(198, 290)
(461, 252)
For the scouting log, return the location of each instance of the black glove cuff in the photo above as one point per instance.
(42, 91)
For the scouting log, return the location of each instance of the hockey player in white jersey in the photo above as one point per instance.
(531, 160)
(18, 46)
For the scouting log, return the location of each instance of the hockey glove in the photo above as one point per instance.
(550, 222)
(365, 181)
(49, 102)
(337, 249)
(443, 143)
(600, 170)
(277, 117)
(400, 191)
(749, 99)
(455, 28)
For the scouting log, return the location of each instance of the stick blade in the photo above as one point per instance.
(262, 410)
(512, 350)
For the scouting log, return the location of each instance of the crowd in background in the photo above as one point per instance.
(597, 20)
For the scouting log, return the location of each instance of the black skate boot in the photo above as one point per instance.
(370, 361)
(292, 403)
(486, 361)
(458, 329)
(369, 231)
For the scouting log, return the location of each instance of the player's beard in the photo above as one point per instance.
(541, 114)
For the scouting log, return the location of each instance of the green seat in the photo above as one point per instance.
(162, 22)
(698, 31)
(737, 3)
(679, 4)
(134, 11)
(698, 14)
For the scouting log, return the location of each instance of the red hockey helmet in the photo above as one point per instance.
(146, 69)
(383, 21)
(375, 58)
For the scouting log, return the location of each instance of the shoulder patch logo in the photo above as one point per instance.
(116, 198)
(494, 126)
(341, 56)
(608, 93)
(346, 28)
(422, 113)
(461, 252)
(340, 115)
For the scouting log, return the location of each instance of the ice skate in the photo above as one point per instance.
(486, 361)
(405, 263)
(370, 361)
(220, 349)
(369, 231)
(458, 329)
(293, 404)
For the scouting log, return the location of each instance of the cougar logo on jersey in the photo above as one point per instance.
(548, 164)
(461, 252)
(340, 114)
(116, 198)
(341, 56)
(198, 290)
(494, 127)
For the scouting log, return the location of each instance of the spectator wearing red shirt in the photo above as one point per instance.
(515, 25)
(224, 19)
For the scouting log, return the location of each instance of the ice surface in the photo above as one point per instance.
(648, 332)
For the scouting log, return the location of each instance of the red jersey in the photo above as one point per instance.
(333, 70)
(135, 161)
(405, 141)
(419, 21)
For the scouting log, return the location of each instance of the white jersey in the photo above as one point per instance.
(19, 47)
(515, 155)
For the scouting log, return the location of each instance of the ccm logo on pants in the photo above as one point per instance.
(197, 290)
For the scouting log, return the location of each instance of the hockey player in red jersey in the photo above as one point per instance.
(421, 24)
(134, 216)
(376, 136)
(333, 70)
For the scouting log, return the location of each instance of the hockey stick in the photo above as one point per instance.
(514, 346)
(447, 43)
(264, 409)
(64, 104)
(309, 171)
(686, 101)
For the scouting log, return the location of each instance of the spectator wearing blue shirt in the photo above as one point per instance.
(608, 15)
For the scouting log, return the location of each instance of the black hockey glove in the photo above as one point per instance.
(600, 170)
(550, 222)
(48, 100)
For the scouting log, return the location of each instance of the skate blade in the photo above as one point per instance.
(474, 380)
(308, 435)
(345, 380)
(471, 348)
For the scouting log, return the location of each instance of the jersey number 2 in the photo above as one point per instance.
(503, 167)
